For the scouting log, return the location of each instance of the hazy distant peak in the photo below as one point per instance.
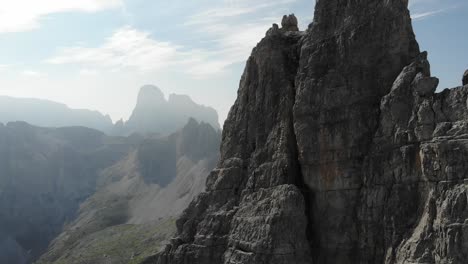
(150, 95)
(154, 114)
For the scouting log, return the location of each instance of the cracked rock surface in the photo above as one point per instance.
(337, 150)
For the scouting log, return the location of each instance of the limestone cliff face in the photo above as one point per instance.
(253, 193)
(352, 53)
(337, 150)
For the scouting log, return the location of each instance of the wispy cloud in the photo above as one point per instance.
(423, 15)
(233, 28)
(24, 15)
(229, 10)
(424, 9)
(129, 48)
(31, 73)
(126, 48)
(230, 42)
(88, 72)
(224, 35)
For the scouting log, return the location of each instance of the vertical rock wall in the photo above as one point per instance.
(337, 150)
(253, 195)
(352, 53)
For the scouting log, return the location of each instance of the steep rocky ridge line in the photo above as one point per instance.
(418, 155)
(258, 143)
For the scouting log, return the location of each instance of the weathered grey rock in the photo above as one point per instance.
(256, 190)
(337, 150)
(349, 60)
(418, 136)
(424, 85)
(289, 23)
(465, 78)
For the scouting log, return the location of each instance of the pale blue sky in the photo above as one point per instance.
(97, 53)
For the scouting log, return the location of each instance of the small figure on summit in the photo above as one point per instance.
(289, 23)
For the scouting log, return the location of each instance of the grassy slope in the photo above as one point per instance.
(119, 244)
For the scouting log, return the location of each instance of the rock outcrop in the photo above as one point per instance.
(413, 201)
(337, 150)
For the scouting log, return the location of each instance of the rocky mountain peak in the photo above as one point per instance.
(334, 130)
(154, 114)
(150, 96)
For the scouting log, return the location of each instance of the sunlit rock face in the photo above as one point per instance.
(337, 150)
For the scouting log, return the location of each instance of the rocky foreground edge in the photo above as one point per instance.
(337, 150)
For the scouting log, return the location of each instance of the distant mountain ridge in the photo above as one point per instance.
(47, 113)
(137, 199)
(91, 186)
(45, 173)
(153, 114)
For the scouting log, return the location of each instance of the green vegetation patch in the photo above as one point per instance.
(119, 244)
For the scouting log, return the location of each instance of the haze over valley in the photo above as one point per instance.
(77, 180)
